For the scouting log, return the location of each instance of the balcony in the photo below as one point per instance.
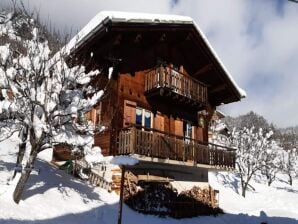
(167, 82)
(155, 145)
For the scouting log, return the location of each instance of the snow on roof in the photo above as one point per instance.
(96, 22)
(129, 17)
(220, 113)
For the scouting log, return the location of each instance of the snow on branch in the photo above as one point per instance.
(43, 97)
(254, 149)
(47, 98)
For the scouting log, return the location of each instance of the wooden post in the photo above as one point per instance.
(121, 195)
(133, 138)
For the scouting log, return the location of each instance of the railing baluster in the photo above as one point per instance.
(159, 152)
(154, 143)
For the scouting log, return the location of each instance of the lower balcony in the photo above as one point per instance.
(154, 145)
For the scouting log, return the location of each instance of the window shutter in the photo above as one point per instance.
(159, 122)
(200, 134)
(129, 115)
(194, 132)
(178, 127)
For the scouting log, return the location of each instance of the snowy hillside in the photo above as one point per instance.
(55, 197)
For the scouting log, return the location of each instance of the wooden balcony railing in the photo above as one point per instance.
(154, 143)
(167, 78)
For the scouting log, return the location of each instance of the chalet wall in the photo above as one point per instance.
(103, 140)
(131, 89)
(118, 109)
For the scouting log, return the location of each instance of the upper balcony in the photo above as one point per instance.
(157, 146)
(183, 89)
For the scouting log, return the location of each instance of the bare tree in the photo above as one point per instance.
(272, 163)
(249, 120)
(288, 142)
(42, 98)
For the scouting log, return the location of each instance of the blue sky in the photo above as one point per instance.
(257, 40)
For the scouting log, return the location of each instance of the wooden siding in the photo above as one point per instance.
(117, 110)
(159, 122)
(103, 140)
(179, 127)
(131, 89)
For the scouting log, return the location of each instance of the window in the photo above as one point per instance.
(147, 122)
(143, 117)
(187, 128)
(139, 116)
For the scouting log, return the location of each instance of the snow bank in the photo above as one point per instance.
(278, 200)
(56, 197)
(46, 155)
(93, 156)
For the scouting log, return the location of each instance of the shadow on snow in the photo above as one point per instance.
(108, 213)
(55, 178)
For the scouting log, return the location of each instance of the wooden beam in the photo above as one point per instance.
(121, 195)
(203, 70)
(189, 37)
(162, 37)
(152, 178)
(117, 40)
(138, 38)
(218, 88)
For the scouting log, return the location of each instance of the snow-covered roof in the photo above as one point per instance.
(220, 113)
(129, 17)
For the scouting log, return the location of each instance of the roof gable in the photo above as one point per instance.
(185, 40)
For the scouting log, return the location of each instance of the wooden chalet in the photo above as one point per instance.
(166, 83)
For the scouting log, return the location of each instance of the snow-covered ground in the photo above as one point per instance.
(55, 197)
